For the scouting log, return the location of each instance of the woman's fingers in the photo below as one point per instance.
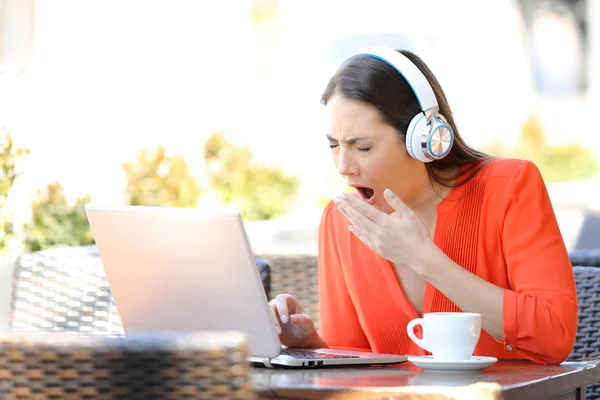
(273, 308)
(281, 301)
(291, 322)
(302, 321)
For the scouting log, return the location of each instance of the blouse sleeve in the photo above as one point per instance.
(340, 326)
(540, 308)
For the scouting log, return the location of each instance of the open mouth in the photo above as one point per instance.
(367, 194)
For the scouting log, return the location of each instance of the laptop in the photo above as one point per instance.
(185, 269)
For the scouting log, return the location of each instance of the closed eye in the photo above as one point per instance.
(361, 149)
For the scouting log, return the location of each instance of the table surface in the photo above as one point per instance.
(519, 379)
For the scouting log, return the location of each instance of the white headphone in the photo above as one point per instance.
(429, 137)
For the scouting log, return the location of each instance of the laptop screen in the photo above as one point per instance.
(178, 269)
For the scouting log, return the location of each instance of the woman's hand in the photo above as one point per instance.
(295, 327)
(400, 237)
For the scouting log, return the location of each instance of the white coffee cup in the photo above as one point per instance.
(447, 336)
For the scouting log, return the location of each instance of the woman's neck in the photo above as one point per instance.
(432, 193)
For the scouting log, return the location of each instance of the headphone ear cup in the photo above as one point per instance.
(441, 138)
(414, 135)
(437, 136)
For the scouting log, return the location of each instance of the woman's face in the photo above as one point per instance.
(370, 155)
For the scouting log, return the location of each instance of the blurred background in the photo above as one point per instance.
(195, 103)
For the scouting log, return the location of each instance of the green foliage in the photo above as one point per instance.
(259, 191)
(8, 173)
(54, 223)
(158, 180)
(556, 162)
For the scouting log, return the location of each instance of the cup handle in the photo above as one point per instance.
(410, 329)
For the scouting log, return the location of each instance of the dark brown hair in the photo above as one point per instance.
(375, 82)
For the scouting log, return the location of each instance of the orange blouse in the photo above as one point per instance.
(501, 227)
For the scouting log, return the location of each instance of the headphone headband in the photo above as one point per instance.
(415, 78)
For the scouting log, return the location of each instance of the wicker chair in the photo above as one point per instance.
(296, 275)
(589, 258)
(67, 366)
(67, 290)
(63, 290)
(587, 342)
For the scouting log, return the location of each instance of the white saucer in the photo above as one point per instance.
(428, 363)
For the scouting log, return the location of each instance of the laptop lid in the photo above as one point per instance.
(182, 269)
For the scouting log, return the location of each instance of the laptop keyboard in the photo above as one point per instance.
(312, 354)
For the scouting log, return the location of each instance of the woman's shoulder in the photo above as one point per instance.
(333, 229)
(332, 216)
(499, 178)
(499, 171)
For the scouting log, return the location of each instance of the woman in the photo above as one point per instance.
(434, 226)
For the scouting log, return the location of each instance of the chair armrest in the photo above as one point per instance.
(157, 366)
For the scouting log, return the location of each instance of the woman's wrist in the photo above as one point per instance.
(429, 260)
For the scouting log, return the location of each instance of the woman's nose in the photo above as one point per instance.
(345, 164)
